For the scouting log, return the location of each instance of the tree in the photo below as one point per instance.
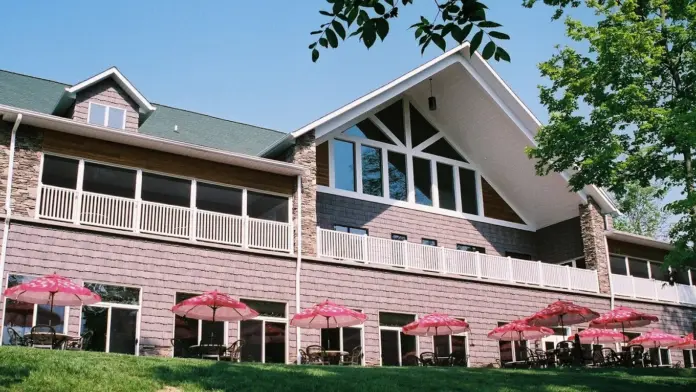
(642, 212)
(622, 105)
(369, 20)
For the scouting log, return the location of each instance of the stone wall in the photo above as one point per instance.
(304, 153)
(27, 166)
(594, 242)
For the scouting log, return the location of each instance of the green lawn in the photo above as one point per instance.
(24, 369)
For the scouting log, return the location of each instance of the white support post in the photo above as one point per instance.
(512, 277)
(434, 191)
(363, 241)
(138, 200)
(443, 261)
(405, 245)
(193, 214)
(691, 277)
(385, 173)
(357, 157)
(332, 164)
(479, 193)
(245, 221)
(541, 274)
(655, 290)
(478, 265)
(291, 226)
(633, 285)
(77, 205)
(570, 283)
(319, 241)
(457, 190)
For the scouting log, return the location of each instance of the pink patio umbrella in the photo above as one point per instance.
(519, 330)
(54, 290)
(436, 324)
(656, 338)
(623, 317)
(327, 315)
(562, 313)
(600, 336)
(688, 343)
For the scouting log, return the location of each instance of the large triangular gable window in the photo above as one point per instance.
(366, 129)
(421, 130)
(442, 148)
(393, 118)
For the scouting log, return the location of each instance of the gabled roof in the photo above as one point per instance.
(121, 80)
(483, 75)
(44, 96)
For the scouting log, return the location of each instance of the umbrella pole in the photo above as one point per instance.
(49, 318)
(211, 331)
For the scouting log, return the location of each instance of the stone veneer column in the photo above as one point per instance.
(594, 243)
(304, 153)
(26, 170)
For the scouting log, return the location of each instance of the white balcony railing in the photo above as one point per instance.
(656, 290)
(162, 219)
(402, 254)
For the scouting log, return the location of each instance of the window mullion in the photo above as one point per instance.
(107, 110)
(479, 193)
(77, 206)
(407, 123)
(410, 178)
(358, 167)
(385, 173)
(457, 190)
(434, 191)
(193, 214)
(332, 164)
(138, 199)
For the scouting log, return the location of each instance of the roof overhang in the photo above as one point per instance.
(61, 124)
(484, 79)
(121, 80)
(637, 239)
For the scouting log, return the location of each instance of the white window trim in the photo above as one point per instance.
(398, 330)
(692, 356)
(107, 113)
(411, 152)
(279, 320)
(449, 338)
(361, 327)
(34, 312)
(112, 305)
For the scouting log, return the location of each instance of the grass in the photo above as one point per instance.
(24, 369)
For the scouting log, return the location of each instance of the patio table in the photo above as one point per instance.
(334, 355)
(61, 338)
(208, 351)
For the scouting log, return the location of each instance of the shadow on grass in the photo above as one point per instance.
(278, 378)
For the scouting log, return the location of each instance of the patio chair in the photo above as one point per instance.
(304, 358)
(458, 358)
(428, 358)
(316, 355)
(610, 357)
(565, 357)
(354, 358)
(637, 357)
(15, 338)
(233, 352)
(43, 336)
(411, 360)
(533, 359)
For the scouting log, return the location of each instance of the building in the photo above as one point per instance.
(383, 205)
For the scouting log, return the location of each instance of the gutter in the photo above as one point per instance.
(299, 263)
(8, 197)
(66, 125)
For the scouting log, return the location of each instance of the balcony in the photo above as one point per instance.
(138, 216)
(656, 290)
(406, 255)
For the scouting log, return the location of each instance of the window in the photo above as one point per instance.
(445, 186)
(265, 337)
(109, 180)
(618, 265)
(351, 230)
(512, 351)
(638, 268)
(344, 165)
(423, 181)
(429, 242)
(166, 190)
(689, 358)
(399, 237)
(443, 149)
(660, 356)
(21, 316)
(421, 130)
(114, 321)
(467, 190)
(656, 271)
(366, 129)
(106, 116)
(521, 256)
(371, 170)
(342, 339)
(579, 263)
(268, 207)
(60, 172)
(471, 248)
(395, 345)
(189, 332)
(398, 182)
(444, 345)
(393, 117)
(217, 198)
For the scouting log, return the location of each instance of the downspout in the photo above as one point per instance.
(299, 262)
(8, 197)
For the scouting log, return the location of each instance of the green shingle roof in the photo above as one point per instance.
(41, 95)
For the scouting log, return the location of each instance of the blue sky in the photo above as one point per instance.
(244, 60)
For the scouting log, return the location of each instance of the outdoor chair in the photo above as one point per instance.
(565, 357)
(637, 356)
(458, 358)
(233, 353)
(411, 360)
(43, 336)
(316, 355)
(304, 358)
(354, 358)
(610, 357)
(533, 359)
(15, 338)
(428, 358)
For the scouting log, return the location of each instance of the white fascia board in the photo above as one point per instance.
(65, 125)
(638, 239)
(113, 72)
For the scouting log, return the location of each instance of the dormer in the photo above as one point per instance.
(110, 100)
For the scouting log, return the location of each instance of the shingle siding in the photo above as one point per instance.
(560, 242)
(107, 92)
(382, 220)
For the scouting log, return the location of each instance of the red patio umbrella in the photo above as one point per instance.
(688, 343)
(54, 290)
(656, 338)
(519, 330)
(562, 313)
(597, 336)
(436, 324)
(327, 315)
(623, 317)
(214, 306)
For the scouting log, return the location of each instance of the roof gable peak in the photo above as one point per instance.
(121, 80)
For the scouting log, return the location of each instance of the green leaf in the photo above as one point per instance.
(316, 32)
(337, 7)
(498, 34)
(502, 54)
(339, 29)
(315, 55)
(419, 31)
(369, 35)
(382, 28)
(460, 35)
(379, 8)
(439, 41)
(331, 36)
(326, 13)
(475, 42)
(352, 15)
(312, 46)
(323, 42)
(425, 44)
(488, 23)
(488, 50)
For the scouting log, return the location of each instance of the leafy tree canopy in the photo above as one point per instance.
(621, 104)
(642, 212)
